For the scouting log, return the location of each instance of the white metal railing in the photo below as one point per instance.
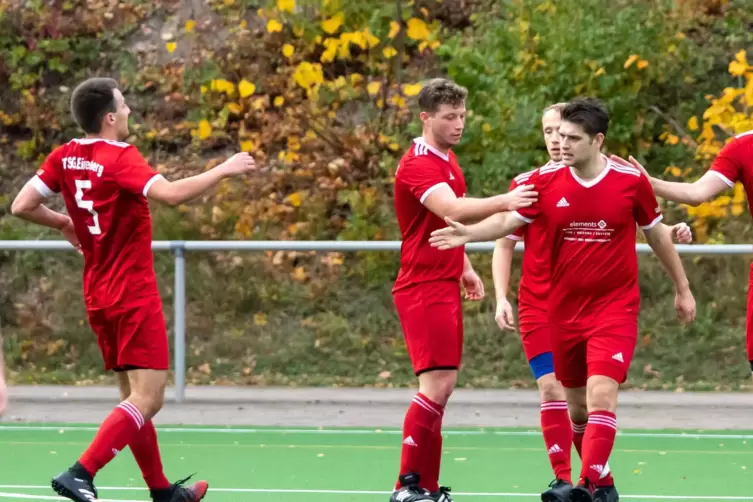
(179, 248)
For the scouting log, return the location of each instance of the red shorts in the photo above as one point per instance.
(534, 330)
(133, 336)
(606, 350)
(431, 315)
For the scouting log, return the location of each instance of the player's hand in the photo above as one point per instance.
(631, 162)
(504, 316)
(685, 306)
(238, 164)
(681, 233)
(473, 285)
(454, 236)
(522, 196)
(69, 232)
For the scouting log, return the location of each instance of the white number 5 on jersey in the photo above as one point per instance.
(82, 185)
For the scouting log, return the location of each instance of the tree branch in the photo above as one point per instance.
(673, 123)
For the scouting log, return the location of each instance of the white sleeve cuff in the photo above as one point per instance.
(521, 217)
(41, 187)
(431, 189)
(653, 223)
(723, 178)
(150, 183)
(513, 237)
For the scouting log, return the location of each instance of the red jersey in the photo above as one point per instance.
(594, 265)
(533, 290)
(735, 163)
(422, 170)
(104, 184)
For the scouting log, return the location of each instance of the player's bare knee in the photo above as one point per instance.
(438, 385)
(147, 390)
(602, 394)
(550, 388)
(577, 404)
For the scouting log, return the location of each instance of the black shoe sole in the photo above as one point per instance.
(63, 491)
(553, 497)
(580, 495)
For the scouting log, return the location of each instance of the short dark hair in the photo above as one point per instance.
(91, 101)
(589, 113)
(440, 91)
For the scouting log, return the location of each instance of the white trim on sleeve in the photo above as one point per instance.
(513, 237)
(723, 178)
(151, 182)
(521, 217)
(431, 189)
(41, 187)
(653, 223)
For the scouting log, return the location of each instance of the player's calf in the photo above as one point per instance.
(555, 423)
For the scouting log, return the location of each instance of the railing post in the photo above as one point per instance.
(179, 299)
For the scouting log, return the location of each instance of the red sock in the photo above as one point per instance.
(424, 417)
(119, 428)
(597, 446)
(558, 436)
(433, 460)
(578, 431)
(145, 449)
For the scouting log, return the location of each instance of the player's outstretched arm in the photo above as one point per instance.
(445, 204)
(177, 192)
(501, 271)
(693, 194)
(659, 239)
(492, 228)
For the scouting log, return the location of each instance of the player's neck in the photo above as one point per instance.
(591, 169)
(112, 136)
(432, 142)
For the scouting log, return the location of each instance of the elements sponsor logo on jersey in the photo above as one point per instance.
(588, 231)
(81, 164)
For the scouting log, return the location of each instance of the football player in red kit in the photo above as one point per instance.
(591, 206)
(429, 185)
(105, 184)
(733, 164)
(557, 421)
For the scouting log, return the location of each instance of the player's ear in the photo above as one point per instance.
(424, 116)
(599, 139)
